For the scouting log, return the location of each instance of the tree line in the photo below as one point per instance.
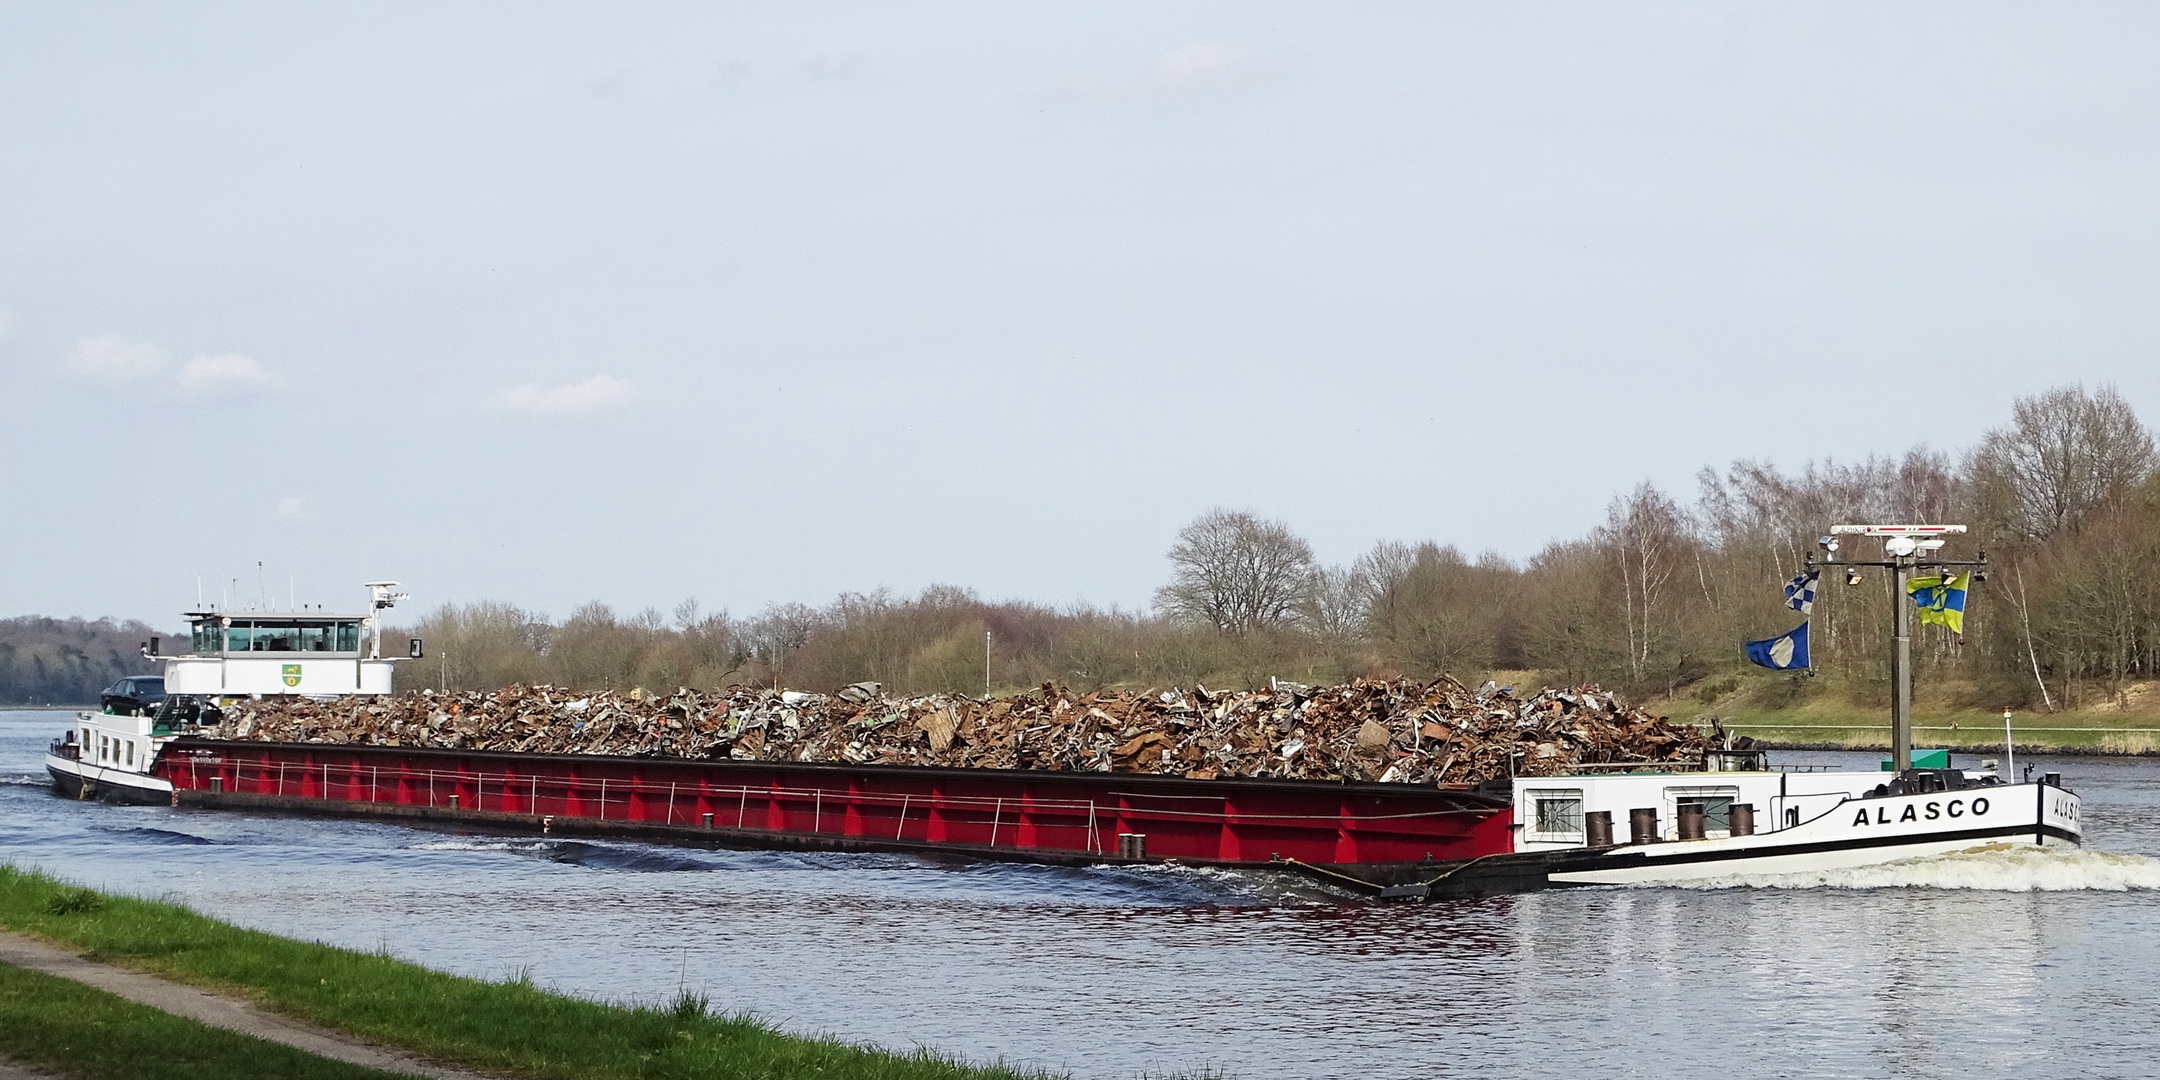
(47, 661)
(2064, 498)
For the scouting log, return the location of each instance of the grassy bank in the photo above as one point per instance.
(512, 1028)
(2126, 724)
(63, 1028)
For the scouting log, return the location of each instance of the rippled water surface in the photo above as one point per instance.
(2040, 963)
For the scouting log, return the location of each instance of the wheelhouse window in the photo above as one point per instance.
(291, 635)
(1556, 816)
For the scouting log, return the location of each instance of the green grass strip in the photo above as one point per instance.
(62, 1028)
(513, 1028)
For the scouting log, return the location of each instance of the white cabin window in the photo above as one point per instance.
(131, 752)
(1716, 803)
(1556, 817)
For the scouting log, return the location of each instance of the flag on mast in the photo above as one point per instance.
(1941, 598)
(1800, 592)
(1783, 652)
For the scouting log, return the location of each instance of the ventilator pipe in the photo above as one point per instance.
(1693, 821)
(1597, 828)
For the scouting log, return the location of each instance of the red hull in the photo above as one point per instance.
(976, 810)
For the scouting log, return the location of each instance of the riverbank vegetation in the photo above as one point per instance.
(510, 1028)
(2064, 498)
(46, 661)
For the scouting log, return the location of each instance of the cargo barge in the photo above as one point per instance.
(986, 813)
(1690, 821)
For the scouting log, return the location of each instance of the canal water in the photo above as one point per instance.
(2016, 961)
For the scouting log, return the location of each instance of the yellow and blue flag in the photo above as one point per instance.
(1941, 598)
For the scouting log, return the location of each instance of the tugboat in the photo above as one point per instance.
(1741, 816)
(232, 654)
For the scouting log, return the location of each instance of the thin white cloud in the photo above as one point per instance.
(1186, 71)
(849, 67)
(223, 374)
(598, 392)
(114, 361)
(1199, 68)
(117, 362)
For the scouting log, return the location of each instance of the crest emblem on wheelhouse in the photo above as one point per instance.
(292, 674)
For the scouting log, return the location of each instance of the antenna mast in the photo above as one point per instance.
(1905, 548)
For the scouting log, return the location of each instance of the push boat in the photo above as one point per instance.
(1731, 813)
(116, 756)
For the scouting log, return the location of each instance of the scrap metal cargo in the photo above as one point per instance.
(1386, 731)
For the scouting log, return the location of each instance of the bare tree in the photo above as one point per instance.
(1384, 573)
(1646, 534)
(780, 630)
(1236, 572)
(2065, 453)
(1333, 609)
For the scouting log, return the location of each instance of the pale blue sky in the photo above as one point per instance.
(553, 302)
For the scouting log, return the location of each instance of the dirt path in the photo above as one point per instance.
(222, 1012)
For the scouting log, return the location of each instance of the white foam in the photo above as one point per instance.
(480, 845)
(1994, 868)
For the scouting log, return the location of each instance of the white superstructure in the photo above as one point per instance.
(244, 653)
(231, 655)
(1676, 826)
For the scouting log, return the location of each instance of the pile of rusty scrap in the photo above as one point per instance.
(1386, 730)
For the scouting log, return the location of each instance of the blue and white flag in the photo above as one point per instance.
(1800, 592)
(1781, 653)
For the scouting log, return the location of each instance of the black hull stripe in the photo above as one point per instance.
(1634, 860)
(75, 785)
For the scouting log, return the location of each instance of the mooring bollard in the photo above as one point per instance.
(453, 802)
(708, 820)
(1743, 819)
(217, 783)
(1132, 845)
(1694, 822)
(1642, 825)
(1597, 828)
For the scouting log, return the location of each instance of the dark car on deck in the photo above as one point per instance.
(137, 695)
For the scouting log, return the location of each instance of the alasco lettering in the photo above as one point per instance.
(1930, 811)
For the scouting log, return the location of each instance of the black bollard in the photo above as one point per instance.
(1743, 819)
(1597, 828)
(1693, 822)
(1642, 825)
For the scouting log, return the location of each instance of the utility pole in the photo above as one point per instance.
(986, 663)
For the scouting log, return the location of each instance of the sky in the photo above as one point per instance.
(756, 303)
